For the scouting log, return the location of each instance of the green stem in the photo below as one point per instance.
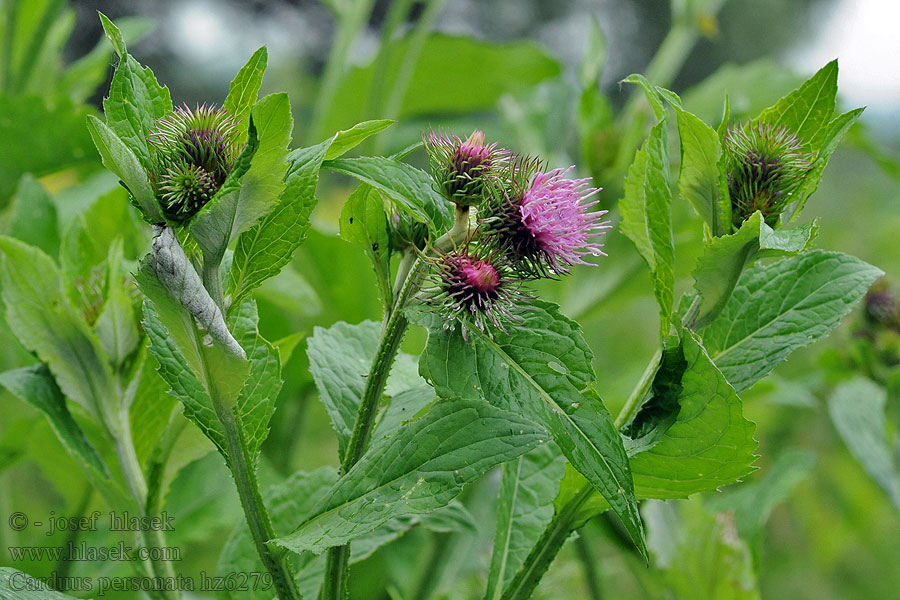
(546, 548)
(334, 586)
(212, 280)
(244, 473)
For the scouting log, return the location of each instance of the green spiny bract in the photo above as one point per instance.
(461, 169)
(195, 150)
(765, 165)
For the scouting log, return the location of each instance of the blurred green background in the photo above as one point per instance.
(539, 77)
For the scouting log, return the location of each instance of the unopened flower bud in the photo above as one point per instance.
(765, 165)
(195, 150)
(462, 169)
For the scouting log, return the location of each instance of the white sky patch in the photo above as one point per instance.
(864, 35)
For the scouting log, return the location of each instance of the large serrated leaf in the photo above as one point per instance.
(135, 101)
(33, 217)
(264, 249)
(709, 445)
(807, 111)
(540, 370)
(778, 307)
(417, 470)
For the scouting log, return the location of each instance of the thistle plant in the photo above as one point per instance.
(503, 379)
(765, 165)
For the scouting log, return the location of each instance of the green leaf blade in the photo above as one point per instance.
(418, 470)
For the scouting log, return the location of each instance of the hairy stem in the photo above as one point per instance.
(255, 513)
(334, 586)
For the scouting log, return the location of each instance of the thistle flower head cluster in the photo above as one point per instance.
(531, 223)
(882, 305)
(461, 169)
(765, 165)
(195, 150)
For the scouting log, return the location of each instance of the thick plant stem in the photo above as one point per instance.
(242, 469)
(546, 548)
(334, 586)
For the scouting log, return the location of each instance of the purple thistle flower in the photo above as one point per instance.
(472, 287)
(543, 222)
(463, 169)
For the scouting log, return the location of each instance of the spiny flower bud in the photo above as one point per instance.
(765, 165)
(470, 286)
(195, 151)
(462, 169)
(406, 232)
(882, 305)
(543, 222)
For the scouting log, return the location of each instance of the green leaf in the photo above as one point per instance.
(256, 402)
(41, 317)
(166, 343)
(807, 111)
(709, 445)
(244, 89)
(135, 101)
(346, 140)
(264, 249)
(121, 160)
(724, 259)
(416, 471)
(151, 406)
(857, 409)
(654, 99)
(540, 370)
(528, 486)
(33, 219)
(364, 222)
(246, 198)
(35, 385)
(410, 187)
(647, 217)
(778, 307)
(23, 586)
(116, 326)
(702, 181)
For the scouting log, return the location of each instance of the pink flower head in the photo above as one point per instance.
(461, 168)
(546, 224)
(473, 287)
